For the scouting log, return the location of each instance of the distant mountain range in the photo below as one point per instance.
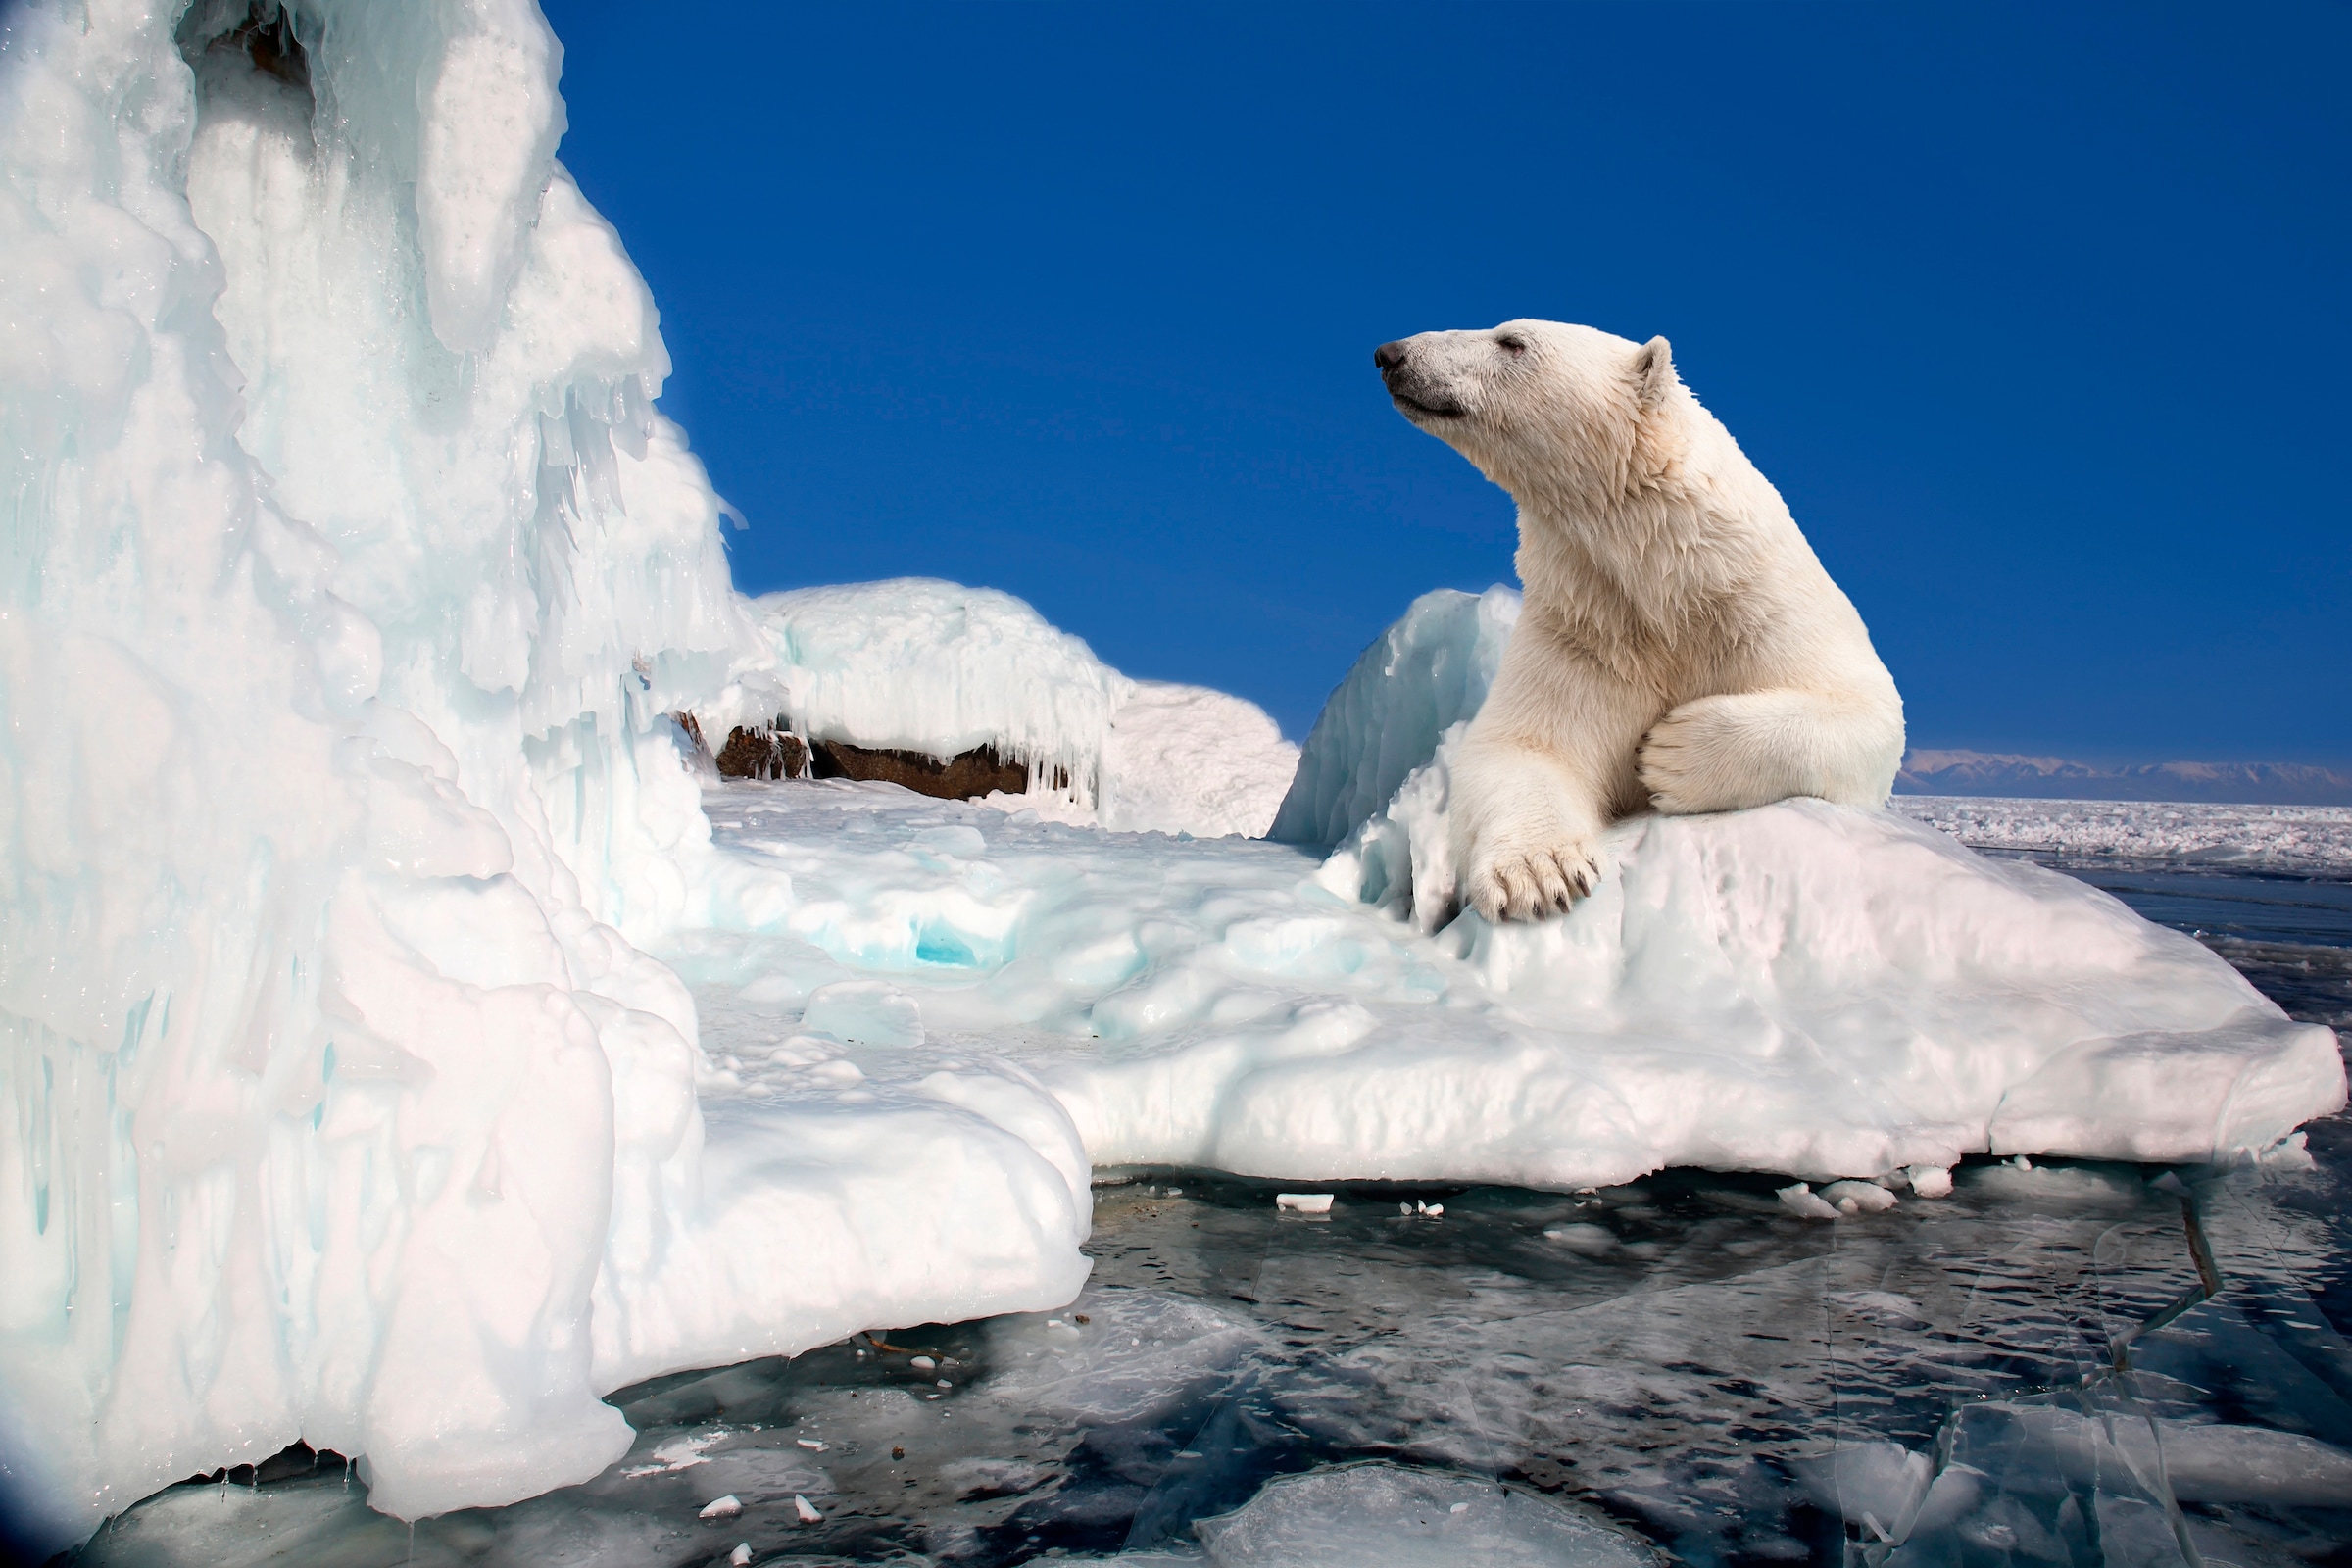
(2053, 778)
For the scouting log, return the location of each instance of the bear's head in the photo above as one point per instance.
(1543, 409)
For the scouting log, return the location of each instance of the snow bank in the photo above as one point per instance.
(2273, 838)
(918, 664)
(1425, 674)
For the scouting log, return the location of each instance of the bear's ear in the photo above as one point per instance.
(1653, 371)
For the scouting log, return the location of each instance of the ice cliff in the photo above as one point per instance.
(348, 570)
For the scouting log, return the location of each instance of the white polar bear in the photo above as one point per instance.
(1681, 647)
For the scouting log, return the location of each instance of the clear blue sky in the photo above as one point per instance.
(2036, 316)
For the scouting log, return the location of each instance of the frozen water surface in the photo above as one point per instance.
(1680, 1362)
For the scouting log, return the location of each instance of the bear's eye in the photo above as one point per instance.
(1512, 345)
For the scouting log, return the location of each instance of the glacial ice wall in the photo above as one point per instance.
(348, 570)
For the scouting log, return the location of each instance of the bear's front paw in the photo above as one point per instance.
(1526, 883)
(1681, 758)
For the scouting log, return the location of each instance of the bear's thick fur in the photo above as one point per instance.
(1681, 647)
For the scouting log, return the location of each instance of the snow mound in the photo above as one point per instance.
(1188, 759)
(1425, 674)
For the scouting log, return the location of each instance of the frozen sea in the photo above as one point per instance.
(2026, 1371)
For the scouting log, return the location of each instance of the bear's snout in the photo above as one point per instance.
(1416, 392)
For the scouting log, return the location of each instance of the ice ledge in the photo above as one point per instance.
(1802, 988)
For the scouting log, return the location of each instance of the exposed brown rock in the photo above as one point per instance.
(778, 754)
(764, 754)
(967, 777)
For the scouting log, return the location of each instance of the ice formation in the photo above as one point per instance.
(1380, 1515)
(349, 572)
(1425, 674)
(918, 664)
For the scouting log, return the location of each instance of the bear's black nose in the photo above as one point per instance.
(1389, 356)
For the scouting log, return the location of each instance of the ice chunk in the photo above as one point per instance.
(1930, 1181)
(1802, 1201)
(726, 1508)
(1592, 1241)
(1867, 1198)
(2021, 1466)
(1877, 1486)
(1380, 1515)
(805, 1510)
(1423, 675)
(1304, 1203)
(741, 1557)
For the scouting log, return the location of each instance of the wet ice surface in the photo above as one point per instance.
(2288, 931)
(1680, 1361)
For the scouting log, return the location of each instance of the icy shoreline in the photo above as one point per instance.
(2314, 839)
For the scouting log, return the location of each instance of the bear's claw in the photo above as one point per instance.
(1525, 885)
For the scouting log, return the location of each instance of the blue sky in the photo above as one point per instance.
(2036, 316)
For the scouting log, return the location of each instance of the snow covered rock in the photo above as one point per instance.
(969, 693)
(933, 667)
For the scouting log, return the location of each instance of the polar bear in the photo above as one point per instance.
(1681, 648)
